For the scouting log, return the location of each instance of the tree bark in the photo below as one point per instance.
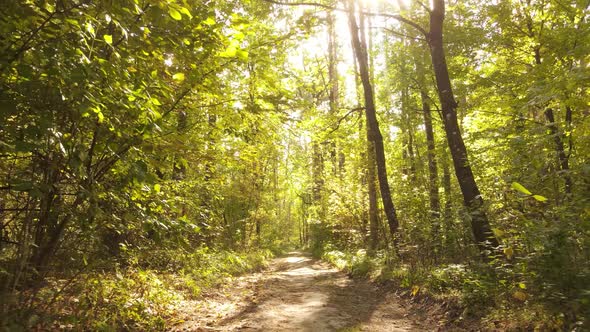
(471, 196)
(374, 134)
(562, 157)
(372, 188)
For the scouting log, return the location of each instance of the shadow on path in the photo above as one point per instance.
(303, 294)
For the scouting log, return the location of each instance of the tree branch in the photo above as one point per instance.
(321, 5)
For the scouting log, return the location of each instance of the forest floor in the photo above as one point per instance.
(299, 293)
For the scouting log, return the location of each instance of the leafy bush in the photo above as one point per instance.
(137, 297)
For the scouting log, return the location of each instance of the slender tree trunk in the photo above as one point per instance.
(446, 181)
(360, 53)
(431, 156)
(370, 172)
(434, 198)
(405, 169)
(409, 131)
(471, 196)
(562, 157)
(372, 187)
(317, 166)
(336, 157)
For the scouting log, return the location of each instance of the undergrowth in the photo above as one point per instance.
(144, 295)
(491, 294)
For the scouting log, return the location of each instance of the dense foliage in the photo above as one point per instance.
(149, 148)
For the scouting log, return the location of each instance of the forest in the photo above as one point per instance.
(153, 153)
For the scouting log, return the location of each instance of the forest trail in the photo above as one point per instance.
(298, 293)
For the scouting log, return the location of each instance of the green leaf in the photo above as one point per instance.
(242, 55)
(155, 101)
(540, 198)
(186, 12)
(230, 52)
(174, 14)
(49, 7)
(157, 188)
(209, 21)
(178, 77)
(517, 186)
(108, 39)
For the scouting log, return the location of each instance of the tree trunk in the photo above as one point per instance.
(431, 156)
(372, 187)
(335, 156)
(370, 173)
(471, 195)
(448, 209)
(407, 112)
(317, 166)
(374, 134)
(562, 157)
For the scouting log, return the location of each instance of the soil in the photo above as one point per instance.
(299, 293)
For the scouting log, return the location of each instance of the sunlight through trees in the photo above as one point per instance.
(149, 149)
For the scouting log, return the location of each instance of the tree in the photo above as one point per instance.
(374, 134)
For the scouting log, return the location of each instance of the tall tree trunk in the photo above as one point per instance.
(562, 157)
(374, 135)
(408, 138)
(370, 171)
(431, 155)
(434, 198)
(336, 157)
(471, 196)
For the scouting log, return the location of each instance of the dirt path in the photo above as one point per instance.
(298, 293)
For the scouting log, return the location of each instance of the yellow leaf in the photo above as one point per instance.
(415, 290)
(519, 295)
(521, 188)
(498, 232)
(108, 39)
(131, 69)
(540, 198)
(178, 77)
(522, 285)
(509, 252)
(209, 21)
(157, 188)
